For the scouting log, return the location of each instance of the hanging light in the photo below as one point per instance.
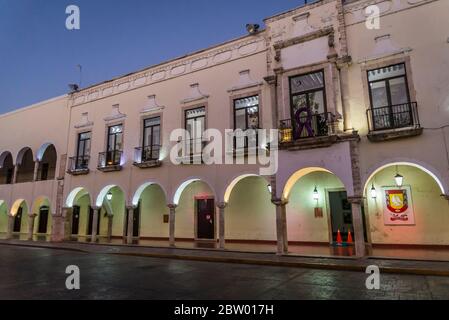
(373, 192)
(109, 196)
(398, 178)
(270, 189)
(316, 196)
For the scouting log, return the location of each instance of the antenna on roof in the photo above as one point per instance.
(80, 68)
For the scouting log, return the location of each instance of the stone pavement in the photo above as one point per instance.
(39, 273)
(416, 267)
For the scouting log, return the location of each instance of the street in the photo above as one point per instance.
(35, 273)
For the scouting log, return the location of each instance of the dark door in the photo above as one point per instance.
(136, 222)
(44, 172)
(18, 220)
(75, 220)
(206, 218)
(91, 220)
(341, 214)
(43, 220)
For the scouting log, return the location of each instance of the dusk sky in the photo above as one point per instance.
(38, 55)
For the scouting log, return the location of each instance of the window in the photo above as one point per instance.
(151, 139)
(83, 150)
(308, 105)
(389, 97)
(195, 125)
(115, 144)
(246, 113)
(246, 117)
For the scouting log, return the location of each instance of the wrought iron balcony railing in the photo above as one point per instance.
(109, 159)
(309, 126)
(78, 164)
(192, 150)
(393, 117)
(147, 154)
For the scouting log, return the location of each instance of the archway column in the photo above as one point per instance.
(94, 223)
(10, 226)
(221, 224)
(57, 227)
(281, 225)
(31, 220)
(171, 220)
(357, 220)
(36, 170)
(130, 230)
(14, 176)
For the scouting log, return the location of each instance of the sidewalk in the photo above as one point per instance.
(434, 268)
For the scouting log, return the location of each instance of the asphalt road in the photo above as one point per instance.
(34, 273)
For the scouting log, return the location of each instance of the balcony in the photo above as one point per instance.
(147, 157)
(243, 143)
(393, 122)
(311, 131)
(78, 165)
(110, 161)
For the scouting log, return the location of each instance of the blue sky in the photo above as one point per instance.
(38, 55)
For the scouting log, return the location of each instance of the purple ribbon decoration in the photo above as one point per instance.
(307, 123)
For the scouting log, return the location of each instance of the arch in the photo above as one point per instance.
(22, 154)
(104, 192)
(141, 189)
(234, 182)
(39, 202)
(17, 204)
(3, 157)
(298, 175)
(40, 153)
(184, 185)
(405, 163)
(77, 192)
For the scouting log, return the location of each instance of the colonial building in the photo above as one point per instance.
(363, 158)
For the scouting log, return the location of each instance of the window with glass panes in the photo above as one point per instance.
(115, 144)
(246, 117)
(151, 138)
(195, 125)
(308, 104)
(83, 151)
(389, 97)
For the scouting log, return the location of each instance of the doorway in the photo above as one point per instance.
(43, 220)
(136, 222)
(341, 215)
(75, 220)
(205, 219)
(18, 220)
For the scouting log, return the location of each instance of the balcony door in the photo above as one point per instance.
(43, 220)
(308, 105)
(246, 118)
(195, 125)
(83, 151)
(390, 97)
(115, 145)
(151, 139)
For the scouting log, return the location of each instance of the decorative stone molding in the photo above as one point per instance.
(195, 94)
(203, 59)
(152, 106)
(84, 122)
(115, 114)
(245, 81)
